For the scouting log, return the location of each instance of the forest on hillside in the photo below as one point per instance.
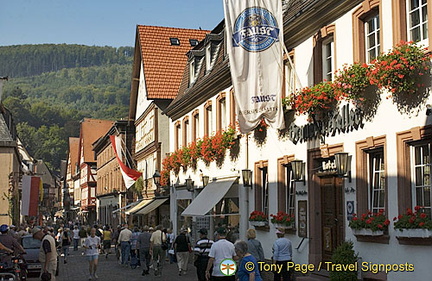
(29, 60)
(47, 107)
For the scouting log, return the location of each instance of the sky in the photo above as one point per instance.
(98, 22)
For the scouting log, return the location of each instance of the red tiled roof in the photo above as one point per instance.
(164, 63)
(91, 130)
(73, 153)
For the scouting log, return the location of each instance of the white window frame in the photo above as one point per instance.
(376, 33)
(328, 61)
(265, 191)
(196, 119)
(223, 113)
(424, 186)
(422, 41)
(192, 68)
(372, 174)
(208, 57)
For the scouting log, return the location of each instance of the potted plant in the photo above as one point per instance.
(415, 224)
(369, 224)
(282, 220)
(317, 100)
(258, 218)
(344, 254)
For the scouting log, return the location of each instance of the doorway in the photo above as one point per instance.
(332, 220)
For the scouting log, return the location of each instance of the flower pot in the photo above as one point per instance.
(258, 223)
(413, 233)
(281, 225)
(367, 232)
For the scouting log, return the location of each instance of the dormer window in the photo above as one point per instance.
(208, 56)
(193, 42)
(174, 41)
(192, 67)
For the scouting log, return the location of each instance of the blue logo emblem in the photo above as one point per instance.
(255, 30)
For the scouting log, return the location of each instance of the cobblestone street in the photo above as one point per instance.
(109, 269)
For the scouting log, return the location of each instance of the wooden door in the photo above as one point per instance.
(332, 215)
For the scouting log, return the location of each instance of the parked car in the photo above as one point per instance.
(32, 246)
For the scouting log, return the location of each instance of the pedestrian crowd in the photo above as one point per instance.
(150, 247)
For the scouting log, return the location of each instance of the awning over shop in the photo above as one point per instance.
(127, 206)
(209, 197)
(151, 206)
(138, 206)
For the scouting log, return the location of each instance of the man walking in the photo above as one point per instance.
(143, 244)
(156, 240)
(222, 249)
(76, 238)
(47, 252)
(201, 251)
(124, 241)
(282, 254)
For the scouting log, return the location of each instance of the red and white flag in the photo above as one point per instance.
(30, 195)
(130, 176)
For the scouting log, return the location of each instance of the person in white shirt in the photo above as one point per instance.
(91, 246)
(156, 241)
(220, 250)
(76, 237)
(125, 243)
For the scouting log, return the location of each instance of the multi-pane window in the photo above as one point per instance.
(290, 191)
(177, 136)
(195, 127)
(290, 78)
(376, 181)
(192, 68)
(221, 114)
(372, 36)
(417, 20)
(208, 57)
(422, 176)
(186, 132)
(328, 59)
(209, 120)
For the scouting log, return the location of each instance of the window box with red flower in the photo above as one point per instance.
(282, 220)
(413, 224)
(369, 224)
(258, 218)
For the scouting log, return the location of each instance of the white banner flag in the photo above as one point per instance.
(254, 44)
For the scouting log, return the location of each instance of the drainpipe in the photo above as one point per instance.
(244, 200)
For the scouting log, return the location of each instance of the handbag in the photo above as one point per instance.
(164, 244)
(46, 276)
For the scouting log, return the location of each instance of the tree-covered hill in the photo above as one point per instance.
(29, 60)
(47, 107)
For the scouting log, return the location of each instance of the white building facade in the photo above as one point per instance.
(389, 147)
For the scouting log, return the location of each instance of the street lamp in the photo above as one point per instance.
(247, 177)
(189, 184)
(343, 165)
(156, 178)
(298, 171)
(205, 180)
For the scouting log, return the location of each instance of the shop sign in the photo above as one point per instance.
(302, 218)
(343, 121)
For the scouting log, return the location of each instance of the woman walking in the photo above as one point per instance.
(106, 235)
(254, 246)
(92, 245)
(182, 248)
(246, 271)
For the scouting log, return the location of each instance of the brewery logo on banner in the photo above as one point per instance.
(255, 30)
(255, 50)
